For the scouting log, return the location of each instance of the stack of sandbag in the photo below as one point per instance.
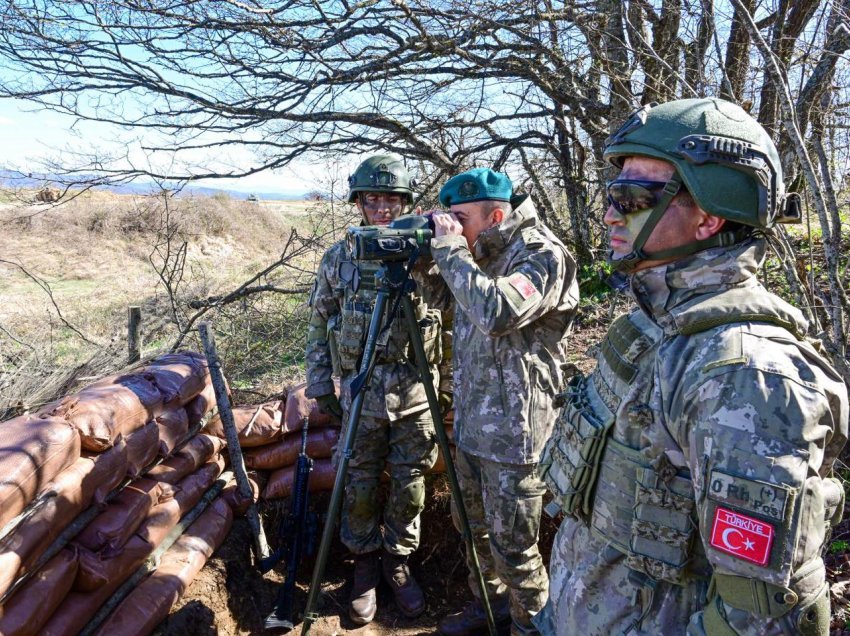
(270, 435)
(150, 602)
(60, 466)
(112, 546)
(116, 543)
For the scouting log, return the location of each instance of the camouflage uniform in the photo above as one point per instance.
(395, 427)
(515, 301)
(716, 426)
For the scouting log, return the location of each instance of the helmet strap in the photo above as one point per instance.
(628, 263)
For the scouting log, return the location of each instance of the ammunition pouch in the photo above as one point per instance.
(353, 327)
(663, 523)
(649, 515)
(571, 457)
(430, 326)
(393, 344)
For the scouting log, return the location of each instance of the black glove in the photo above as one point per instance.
(330, 406)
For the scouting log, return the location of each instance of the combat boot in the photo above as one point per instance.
(363, 602)
(408, 594)
(472, 620)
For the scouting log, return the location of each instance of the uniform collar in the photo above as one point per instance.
(663, 287)
(493, 240)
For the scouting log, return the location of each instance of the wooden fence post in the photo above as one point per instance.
(134, 334)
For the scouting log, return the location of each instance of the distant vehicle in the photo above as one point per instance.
(253, 197)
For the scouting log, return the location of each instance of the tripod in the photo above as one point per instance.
(394, 283)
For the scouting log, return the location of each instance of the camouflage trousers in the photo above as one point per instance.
(592, 594)
(407, 447)
(503, 503)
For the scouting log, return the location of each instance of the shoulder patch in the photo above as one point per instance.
(741, 536)
(749, 495)
(519, 291)
(523, 285)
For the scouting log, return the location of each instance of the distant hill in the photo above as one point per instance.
(14, 179)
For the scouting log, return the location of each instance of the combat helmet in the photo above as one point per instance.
(381, 173)
(725, 159)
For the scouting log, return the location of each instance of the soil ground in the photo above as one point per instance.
(229, 597)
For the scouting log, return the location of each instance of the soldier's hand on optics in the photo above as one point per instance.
(446, 224)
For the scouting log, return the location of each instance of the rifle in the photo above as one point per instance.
(295, 538)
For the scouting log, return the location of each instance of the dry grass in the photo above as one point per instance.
(93, 255)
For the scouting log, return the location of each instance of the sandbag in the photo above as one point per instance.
(237, 502)
(256, 425)
(31, 606)
(97, 570)
(298, 406)
(149, 604)
(179, 376)
(187, 460)
(159, 522)
(173, 427)
(281, 481)
(203, 403)
(114, 406)
(111, 465)
(33, 451)
(142, 448)
(191, 488)
(113, 527)
(79, 608)
(320, 444)
(73, 490)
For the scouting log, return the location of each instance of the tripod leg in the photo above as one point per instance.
(366, 368)
(443, 441)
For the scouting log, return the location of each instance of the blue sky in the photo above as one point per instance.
(28, 136)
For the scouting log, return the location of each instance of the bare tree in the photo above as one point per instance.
(533, 87)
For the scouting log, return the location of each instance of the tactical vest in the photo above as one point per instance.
(348, 330)
(643, 506)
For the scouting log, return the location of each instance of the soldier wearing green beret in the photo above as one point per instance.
(395, 428)
(513, 285)
(695, 463)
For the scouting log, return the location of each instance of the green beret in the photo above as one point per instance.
(478, 184)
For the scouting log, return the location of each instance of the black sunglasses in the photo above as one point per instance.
(634, 195)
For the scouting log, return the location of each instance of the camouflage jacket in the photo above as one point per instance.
(395, 389)
(727, 392)
(514, 300)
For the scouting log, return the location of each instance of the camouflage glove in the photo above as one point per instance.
(330, 406)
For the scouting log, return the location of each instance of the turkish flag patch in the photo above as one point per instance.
(523, 285)
(742, 536)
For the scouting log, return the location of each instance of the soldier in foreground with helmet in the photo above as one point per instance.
(395, 427)
(515, 294)
(695, 463)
